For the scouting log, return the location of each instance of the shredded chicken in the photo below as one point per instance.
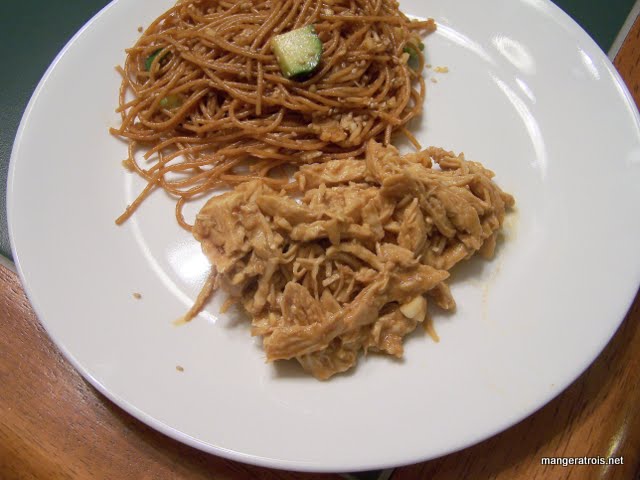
(353, 263)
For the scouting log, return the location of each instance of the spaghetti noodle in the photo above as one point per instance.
(203, 97)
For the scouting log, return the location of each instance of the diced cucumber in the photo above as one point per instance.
(149, 60)
(414, 56)
(171, 101)
(298, 52)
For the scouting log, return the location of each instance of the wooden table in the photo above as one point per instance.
(54, 425)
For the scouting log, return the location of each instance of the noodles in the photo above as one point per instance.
(203, 96)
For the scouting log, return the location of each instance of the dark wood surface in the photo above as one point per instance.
(627, 61)
(53, 425)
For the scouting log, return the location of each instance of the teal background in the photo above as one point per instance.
(602, 19)
(34, 31)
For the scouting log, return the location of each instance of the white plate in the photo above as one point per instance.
(528, 93)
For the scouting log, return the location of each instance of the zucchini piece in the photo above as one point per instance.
(298, 52)
(149, 60)
(171, 101)
(414, 56)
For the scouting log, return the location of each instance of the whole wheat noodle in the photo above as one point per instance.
(203, 96)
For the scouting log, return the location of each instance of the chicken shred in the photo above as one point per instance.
(351, 265)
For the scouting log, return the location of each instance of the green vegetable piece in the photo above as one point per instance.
(298, 52)
(421, 46)
(414, 57)
(171, 102)
(149, 60)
